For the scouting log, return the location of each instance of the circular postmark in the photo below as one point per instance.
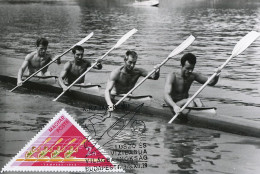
(138, 126)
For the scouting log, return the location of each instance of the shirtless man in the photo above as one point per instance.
(124, 78)
(35, 60)
(176, 92)
(73, 69)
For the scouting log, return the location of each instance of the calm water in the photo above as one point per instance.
(217, 26)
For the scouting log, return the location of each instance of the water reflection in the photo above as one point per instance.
(217, 25)
(217, 4)
(170, 148)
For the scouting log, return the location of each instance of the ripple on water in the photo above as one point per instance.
(217, 25)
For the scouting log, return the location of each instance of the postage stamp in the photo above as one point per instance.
(62, 146)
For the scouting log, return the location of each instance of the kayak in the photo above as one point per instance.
(205, 117)
(153, 3)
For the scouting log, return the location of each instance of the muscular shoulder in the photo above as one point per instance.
(67, 65)
(139, 70)
(117, 71)
(86, 62)
(195, 75)
(29, 56)
(115, 74)
(171, 77)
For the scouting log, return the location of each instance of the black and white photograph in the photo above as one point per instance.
(130, 86)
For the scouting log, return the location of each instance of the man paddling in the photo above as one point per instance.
(73, 69)
(124, 78)
(35, 60)
(176, 92)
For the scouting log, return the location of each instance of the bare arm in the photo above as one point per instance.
(98, 66)
(63, 75)
(154, 76)
(110, 84)
(202, 79)
(168, 89)
(22, 69)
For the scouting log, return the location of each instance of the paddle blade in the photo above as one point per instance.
(182, 46)
(72, 141)
(85, 39)
(83, 142)
(141, 98)
(125, 37)
(60, 140)
(47, 140)
(245, 42)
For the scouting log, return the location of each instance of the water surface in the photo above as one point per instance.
(217, 25)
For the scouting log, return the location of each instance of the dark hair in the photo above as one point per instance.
(191, 58)
(130, 52)
(42, 41)
(77, 47)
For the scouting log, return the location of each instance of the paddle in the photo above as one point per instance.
(46, 141)
(121, 41)
(74, 148)
(86, 86)
(136, 97)
(81, 143)
(176, 51)
(44, 77)
(239, 48)
(72, 141)
(60, 140)
(79, 43)
(193, 108)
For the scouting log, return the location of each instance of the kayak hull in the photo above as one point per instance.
(206, 118)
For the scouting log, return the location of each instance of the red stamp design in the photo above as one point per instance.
(62, 146)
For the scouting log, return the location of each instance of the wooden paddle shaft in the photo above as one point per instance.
(122, 40)
(207, 82)
(83, 74)
(28, 78)
(79, 43)
(68, 50)
(176, 51)
(201, 88)
(136, 86)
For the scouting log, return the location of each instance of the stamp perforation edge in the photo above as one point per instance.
(9, 168)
